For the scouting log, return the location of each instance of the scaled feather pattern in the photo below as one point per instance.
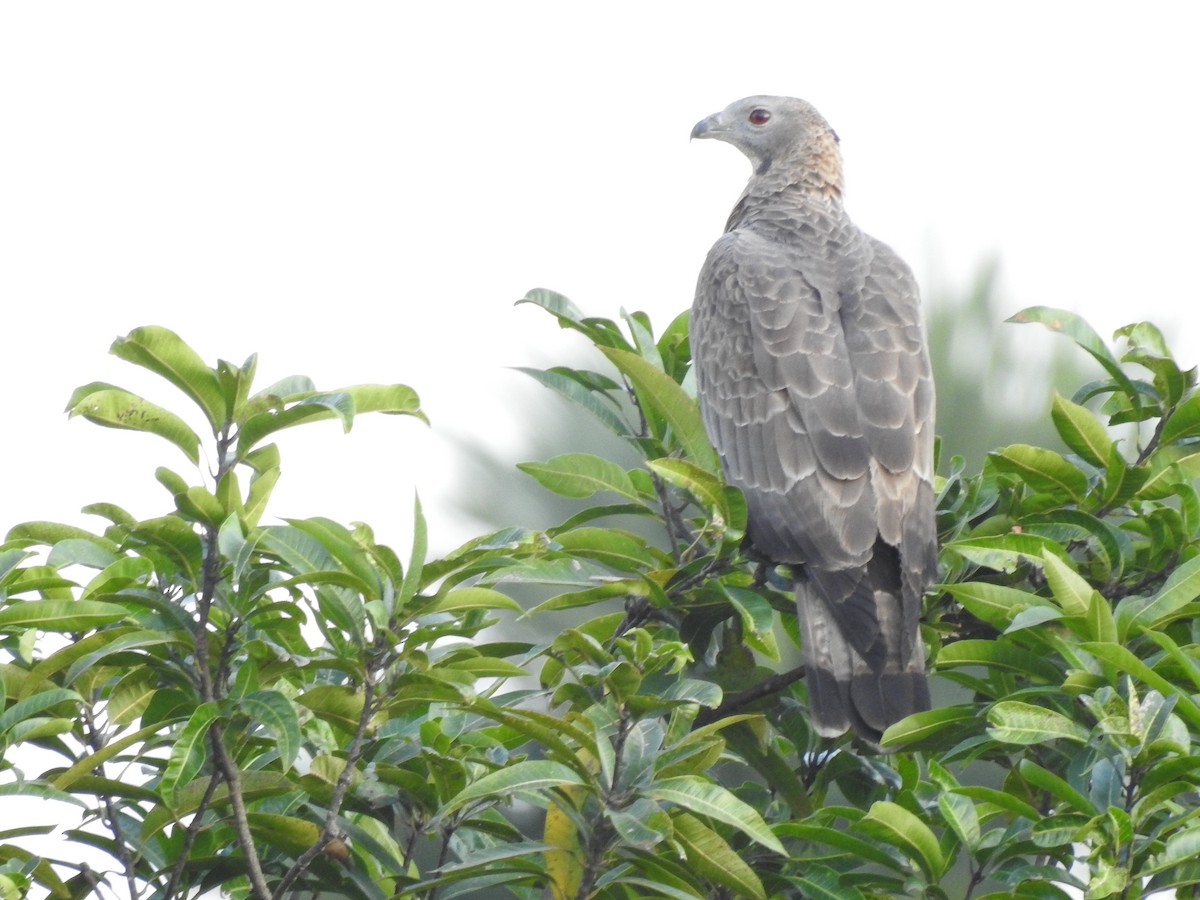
(815, 388)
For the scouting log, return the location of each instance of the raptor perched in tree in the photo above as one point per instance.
(815, 388)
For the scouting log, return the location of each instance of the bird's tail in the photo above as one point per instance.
(865, 665)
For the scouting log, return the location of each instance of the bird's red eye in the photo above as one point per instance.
(759, 116)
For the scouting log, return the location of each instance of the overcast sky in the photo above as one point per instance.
(359, 192)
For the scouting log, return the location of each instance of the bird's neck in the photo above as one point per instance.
(805, 183)
(812, 167)
(776, 210)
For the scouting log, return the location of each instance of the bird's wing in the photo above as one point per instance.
(894, 388)
(816, 391)
(778, 395)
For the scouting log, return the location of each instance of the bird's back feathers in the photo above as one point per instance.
(815, 388)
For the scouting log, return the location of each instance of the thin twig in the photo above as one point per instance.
(677, 530)
(330, 831)
(233, 778)
(96, 741)
(1152, 444)
(189, 836)
(210, 577)
(602, 834)
(772, 685)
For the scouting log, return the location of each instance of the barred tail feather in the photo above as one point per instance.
(844, 690)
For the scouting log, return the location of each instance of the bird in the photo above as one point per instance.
(815, 387)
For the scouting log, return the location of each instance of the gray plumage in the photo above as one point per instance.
(815, 388)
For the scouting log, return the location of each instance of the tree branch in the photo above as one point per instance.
(233, 778)
(189, 836)
(772, 685)
(95, 741)
(209, 579)
(330, 831)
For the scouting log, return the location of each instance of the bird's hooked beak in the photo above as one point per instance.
(712, 127)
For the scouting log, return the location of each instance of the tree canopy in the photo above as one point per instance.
(271, 707)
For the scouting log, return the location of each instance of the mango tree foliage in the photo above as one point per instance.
(268, 708)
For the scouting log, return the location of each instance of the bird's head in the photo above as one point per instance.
(775, 132)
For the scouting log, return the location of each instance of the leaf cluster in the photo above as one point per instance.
(264, 707)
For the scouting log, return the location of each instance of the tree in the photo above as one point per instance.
(278, 708)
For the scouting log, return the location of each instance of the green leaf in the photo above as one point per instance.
(895, 825)
(1182, 846)
(1065, 525)
(1101, 625)
(60, 615)
(758, 619)
(118, 575)
(520, 778)
(277, 714)
(1001, 800)
(471, 598)
(1081, 430)
(1180, 589)
(1060, 830)
(867, 851)
(601, 332)
(121, 409)
(1055, 786)
(110, 511)
(389, 399)
(1004, 552)
(708, 799)
(177, 539)
(823, 883)
(616, 548)
(52, 533)
(1043, 470)
(643, 339)
(136, 640)
(312, 408)
(339, 542)
(1184, 422)
(1073, 594)
(626, 587)
(995, 604)
(700, 483)
(1086, 337)
(658, 389)
(190, 750)
(634, 824)
(1121, 661)
(235, 383)
(1016, 722)
(960, 814)
(581, 396)
(334, 703)
(713, 858)
(998, 655)
(67, 779)
(32, 705)
(164, 353)
(929, 724)
(581, 475)
(287, 833)
(575, 572)
(131, 694)
(39, 579)
(261, 486)
(94, 553)
(197, 504)
(416, 561)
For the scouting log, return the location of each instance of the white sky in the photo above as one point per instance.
(360, 191)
